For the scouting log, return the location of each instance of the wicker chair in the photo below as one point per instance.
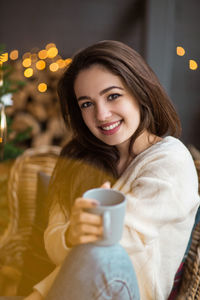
(21, 195)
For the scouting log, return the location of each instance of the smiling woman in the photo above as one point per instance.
(125, 131)
(109, 110)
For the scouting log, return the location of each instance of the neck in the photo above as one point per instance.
(142, 142)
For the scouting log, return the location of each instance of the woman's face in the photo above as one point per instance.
(108, 108)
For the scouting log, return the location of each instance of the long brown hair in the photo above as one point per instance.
(158, 115)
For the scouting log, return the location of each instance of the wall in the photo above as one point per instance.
(172, 23)
(71, 24)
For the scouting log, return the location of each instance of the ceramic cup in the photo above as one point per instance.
(112, 206)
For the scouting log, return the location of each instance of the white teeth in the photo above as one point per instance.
(111, 126)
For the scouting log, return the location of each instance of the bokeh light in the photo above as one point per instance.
(26, 62)
(4, 57)
(61, 63)
(26, 55)
(180, 51)
(42, 87)
(68, 61)
(28, 72)
(193, 64)
(40, 65)
(53, 67)
(42, 54)
(52, 52)
(50, 45)
(14, 54)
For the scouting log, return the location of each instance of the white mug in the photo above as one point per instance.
(112, 206)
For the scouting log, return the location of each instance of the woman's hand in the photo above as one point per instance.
(84, 227)
(34, 296)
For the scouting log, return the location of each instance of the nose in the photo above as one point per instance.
(103, 112)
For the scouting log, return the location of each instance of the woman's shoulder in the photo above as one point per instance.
(169, 148)
(169, 155)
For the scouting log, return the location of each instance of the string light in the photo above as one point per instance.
(42, 87)
(14, 54)
(193, 64)
(50, 45)
(40, 65)
(28, 72)
(180, 51)
(68, 61)
(26, 62)
(26, 55)
(4, 57)
(42, 54)
(53, 67)
(61, 63)
(52, 52)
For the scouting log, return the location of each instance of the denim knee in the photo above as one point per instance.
(95, 272)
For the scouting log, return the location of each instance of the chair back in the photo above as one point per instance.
(21, 195)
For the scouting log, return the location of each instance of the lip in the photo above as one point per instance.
(111, 131)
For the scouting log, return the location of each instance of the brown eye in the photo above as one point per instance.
(85, 105)
(113, 97)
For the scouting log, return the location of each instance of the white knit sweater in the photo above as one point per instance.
(161, 186)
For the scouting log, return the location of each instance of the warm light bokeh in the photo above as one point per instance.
(26, 62)
(40, 65)
(42, 54)
(42, 87)
(193, 64)
(180, 51)
(61, 63)
(26, 55)
(4, 57)
(54, 67)
(28, 72)
(68, 61)
(52, 52)
(50, 45)
(14, 54)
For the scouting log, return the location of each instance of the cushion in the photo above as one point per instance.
(37, 265)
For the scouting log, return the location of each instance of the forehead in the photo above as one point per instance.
(95, 78)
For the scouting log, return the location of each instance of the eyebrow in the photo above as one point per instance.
(101, 93)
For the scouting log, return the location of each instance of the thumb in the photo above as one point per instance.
(106, 185)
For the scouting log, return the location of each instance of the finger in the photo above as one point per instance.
(84, 239)
(85, 203)
(106, 185)
(88, 218)
(90, 230)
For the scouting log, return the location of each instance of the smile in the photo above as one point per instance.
(111, 128)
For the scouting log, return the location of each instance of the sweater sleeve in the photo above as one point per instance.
(164, 191)
(54, 235)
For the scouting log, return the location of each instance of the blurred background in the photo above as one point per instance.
(37, 41)
(40, 37)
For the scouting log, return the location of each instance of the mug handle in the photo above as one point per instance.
(106, 224)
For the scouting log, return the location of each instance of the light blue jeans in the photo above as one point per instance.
(92, 273)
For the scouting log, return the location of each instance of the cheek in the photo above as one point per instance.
(86, 118)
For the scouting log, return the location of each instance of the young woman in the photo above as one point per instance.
(125, 133)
